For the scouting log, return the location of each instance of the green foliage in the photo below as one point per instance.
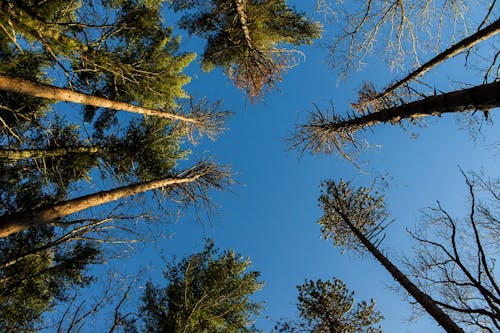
(206, 292)
(140, 62)
(327, 306)
(34, 274)
(148, 150)
(29, 182)
(363, 207)
(115, 49)
(245, 38)
(18, 113)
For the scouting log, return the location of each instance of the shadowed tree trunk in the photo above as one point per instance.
(482, 97)
(325, 132)
(455, 49)
(19, 221)
(36, 89)
(425, 301)
(21, 154)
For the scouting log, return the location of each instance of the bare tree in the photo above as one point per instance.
(329, 132)
(455, 261)
(400, 27)
(106, 307)
(369, 103)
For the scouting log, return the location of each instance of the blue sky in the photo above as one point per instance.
(270, 216)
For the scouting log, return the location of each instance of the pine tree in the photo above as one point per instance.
(36, 270)
(114, 55)
(244, 38)
(205, 292)
(327, 306)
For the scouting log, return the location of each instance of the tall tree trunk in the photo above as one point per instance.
(23, 86)
(242, 15)
(455, 49)
(423, 299)
(482, 97)
(17, 222)
(21, 154)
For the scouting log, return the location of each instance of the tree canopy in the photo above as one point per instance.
(208, 291)
(106, 139)
(327, 306)
(246, 38)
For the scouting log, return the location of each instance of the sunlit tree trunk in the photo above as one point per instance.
(455, 49)
(21, 154)
(425, 301)
(17, 222)
(240, 9)
(23, 86)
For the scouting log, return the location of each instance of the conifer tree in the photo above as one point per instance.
(246, 37)
(205, 292)
(327, 306)
(36, 271)
(114, 55)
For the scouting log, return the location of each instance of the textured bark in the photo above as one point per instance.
(20, 221)
(483, 97)
(240, 9)
(423, 299)
(21, 154)
(455, 49)
(23, 86)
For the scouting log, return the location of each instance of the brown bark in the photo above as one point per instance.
(20, 221)
(455, 49)
(21, 154)
(423, 299)
(482, 97)
(23, 86)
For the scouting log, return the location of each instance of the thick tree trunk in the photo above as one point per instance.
(20, 221)
(21, 154)
(23, 86)
(455, 49)
(483, 97)
(425, 301)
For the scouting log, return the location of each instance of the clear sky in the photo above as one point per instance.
(270, 216)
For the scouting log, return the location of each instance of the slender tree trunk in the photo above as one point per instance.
(423, 299)
(21, 154)
(455, 49)
(482, 97)
(23, 86)
(240, 9)
(17, 222)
